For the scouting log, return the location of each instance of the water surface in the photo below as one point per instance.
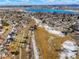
(51, 11)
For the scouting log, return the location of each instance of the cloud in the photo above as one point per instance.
(51, 0)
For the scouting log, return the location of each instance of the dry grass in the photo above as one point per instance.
(42, 38)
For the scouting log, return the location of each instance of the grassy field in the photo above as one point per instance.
(49, 50)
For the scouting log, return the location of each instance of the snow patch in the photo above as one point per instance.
(36, 54)
(47, 28)
(69, 50)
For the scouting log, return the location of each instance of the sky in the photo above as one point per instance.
(37, 2)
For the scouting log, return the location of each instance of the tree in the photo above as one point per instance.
(4, 23)
(15, 52)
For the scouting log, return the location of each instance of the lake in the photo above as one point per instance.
(50, 11)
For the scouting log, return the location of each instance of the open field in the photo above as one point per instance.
(49, 50)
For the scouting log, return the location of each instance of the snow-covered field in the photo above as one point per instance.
(48, 28)
(70, 50)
